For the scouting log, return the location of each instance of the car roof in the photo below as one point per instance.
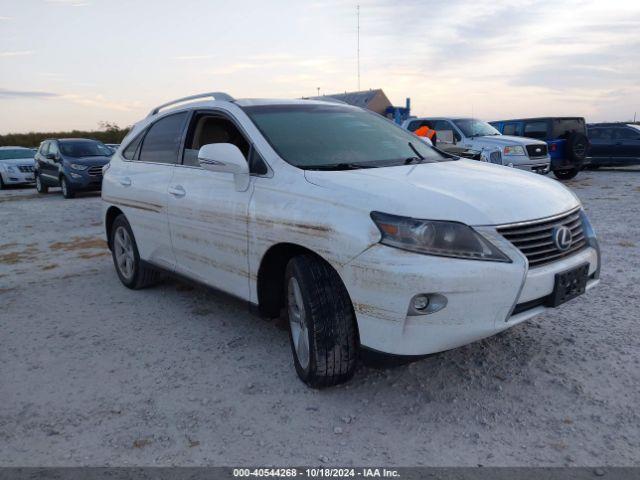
(442, 118)
(526, 119)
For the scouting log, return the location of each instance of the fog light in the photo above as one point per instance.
(426, 303)
(75, 175)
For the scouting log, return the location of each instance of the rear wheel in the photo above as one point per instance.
(132, 273)
(322, 325)
(566, 174)
(67, 191)
(41, 187)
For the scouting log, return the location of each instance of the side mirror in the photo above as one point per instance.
(445, 136)
(225, 157)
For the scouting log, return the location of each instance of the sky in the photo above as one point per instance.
(71, 64)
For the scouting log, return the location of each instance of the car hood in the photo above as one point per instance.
(507, 140)
(468, 191)
(90, 161)
(17, 161)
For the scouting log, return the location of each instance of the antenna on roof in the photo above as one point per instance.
(358, 35)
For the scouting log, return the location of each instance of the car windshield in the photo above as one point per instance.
(16, 154)
(338, 137)
(475, 128)
(84, 148)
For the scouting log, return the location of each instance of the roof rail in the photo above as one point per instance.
(215, 95)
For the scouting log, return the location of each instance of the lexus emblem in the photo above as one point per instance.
(562, 238)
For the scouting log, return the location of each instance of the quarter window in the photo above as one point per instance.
(536, 130)
(162, 142)
(132, 149)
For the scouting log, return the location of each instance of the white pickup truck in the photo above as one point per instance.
(476, 139)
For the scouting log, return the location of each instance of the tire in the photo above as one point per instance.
(67, 191)
(566, 174)
(41, 187)
(576, 148)
(139, 276)
(320, 313)
(1, 183)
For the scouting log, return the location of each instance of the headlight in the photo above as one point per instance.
(435, 237)
(77, 166)
(514, 150)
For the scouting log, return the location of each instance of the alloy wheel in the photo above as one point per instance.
(123, 250)
(298, 322)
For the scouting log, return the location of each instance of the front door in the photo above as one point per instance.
(208, 214)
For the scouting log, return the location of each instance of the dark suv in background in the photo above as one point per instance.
(566, 138)
(613, 144)
(73, 164)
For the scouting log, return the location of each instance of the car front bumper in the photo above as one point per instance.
(17, 178)
(481, 295)
(84, 181)
(540, 165)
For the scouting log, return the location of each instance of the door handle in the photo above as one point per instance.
(177, 191)
(125, 182)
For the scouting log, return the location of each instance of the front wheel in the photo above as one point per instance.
(41, 187)
(67, 191)
(566, 174)
(322, 325)
(132, 273)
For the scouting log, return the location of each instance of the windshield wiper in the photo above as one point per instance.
(338, 166)
(417, 159)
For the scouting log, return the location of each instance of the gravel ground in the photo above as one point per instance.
(94, 374)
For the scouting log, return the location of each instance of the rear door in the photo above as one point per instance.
(145, 187)
(208, 215)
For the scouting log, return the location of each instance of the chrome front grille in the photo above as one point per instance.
(26, 168)
(536, 239)
(537, 150)
(95, 171)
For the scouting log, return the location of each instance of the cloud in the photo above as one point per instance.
(69, 3)
(16, 54)
(193, 57)
(101, 102)
(5, 18)
(4, 93)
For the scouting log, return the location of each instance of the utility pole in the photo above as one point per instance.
(318, 88)
(358, 35)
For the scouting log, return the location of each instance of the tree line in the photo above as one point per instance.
(107, 133)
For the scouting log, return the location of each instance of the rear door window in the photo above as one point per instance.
(444, 126)
(511, 129)
(162, 142)
(535, 130)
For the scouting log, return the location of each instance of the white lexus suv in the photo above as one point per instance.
(363, 234)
